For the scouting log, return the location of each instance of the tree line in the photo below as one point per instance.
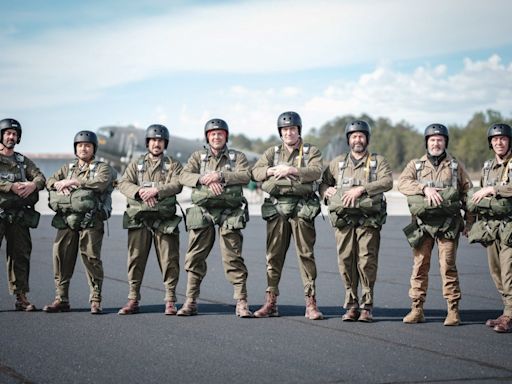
(398, 143)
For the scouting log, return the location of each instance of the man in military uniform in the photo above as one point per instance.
(20, 183)
(217, 175)
(493, 206)
(353, 186)
(436, 187)
(80, 194)
(289, 173)
(150, 184)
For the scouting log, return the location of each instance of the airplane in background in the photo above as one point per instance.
(118, 145)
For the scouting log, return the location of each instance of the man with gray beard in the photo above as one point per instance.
(436, 186)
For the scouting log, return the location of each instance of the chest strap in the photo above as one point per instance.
(205, 156)
(165, 165)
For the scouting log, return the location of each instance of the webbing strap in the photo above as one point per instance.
(165, 165)
(20, 162)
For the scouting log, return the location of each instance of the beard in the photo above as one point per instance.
(9, 144)
(436, 152)
(358, 148)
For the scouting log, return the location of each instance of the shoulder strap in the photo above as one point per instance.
(140, 170)
(204, 161)
(454, 165)
(305, 153)
(93, 169)
(277, 151)
(509, 173)
(165, 165)
(20, 161)
(372, 176)
(487, 169)
(71, 168)
(231, 159)
(341, 169)
(419, 165)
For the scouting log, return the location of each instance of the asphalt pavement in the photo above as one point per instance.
(216, 347)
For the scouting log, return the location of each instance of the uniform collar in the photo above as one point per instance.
(505, 160)
(222, 152)
(295, 147)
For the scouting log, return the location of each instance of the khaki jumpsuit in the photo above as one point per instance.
(281, 228)
(167, 246)
(409, 185)
(87, 241)
(358, 245)
(499, 253)
(201, 240)
(17, 234)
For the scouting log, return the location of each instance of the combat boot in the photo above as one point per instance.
(189, 308)
(96, 308)
(366, 315)
(57, 306)
(22, 303)
(505, 325)
(242, 309)
(170, 308)
(352, 314)
(416, 314)
(494, 322)
(453, 316)
(131, 308)
(269, 309)
(312, 312)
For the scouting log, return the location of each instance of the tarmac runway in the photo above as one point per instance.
(216, 347)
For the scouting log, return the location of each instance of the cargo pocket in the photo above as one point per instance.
(195, 218)
(59, 222)
(414, 234)
(333, 218)
(506, 234)
(268, 210)
(309, 210)
(74, 221)
(169, 226)
(130, 223)
(235, 220)
(484, 232)
(30, 218)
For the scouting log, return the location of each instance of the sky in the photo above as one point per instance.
(67, 66)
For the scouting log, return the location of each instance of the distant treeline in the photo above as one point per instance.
(400, 142)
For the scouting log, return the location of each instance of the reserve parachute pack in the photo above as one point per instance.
(229, 209)
(162, 216)
(451, 204)
(492, 207)
(284, 187)
(306, 208)
(367, 210)
(138, 210)
(442, 221)
(231, 197)
(13, 208)
(493, 214)
(10, 200)
(78, 209)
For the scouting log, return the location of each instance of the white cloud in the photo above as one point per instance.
(420, 97)
(66, 65)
